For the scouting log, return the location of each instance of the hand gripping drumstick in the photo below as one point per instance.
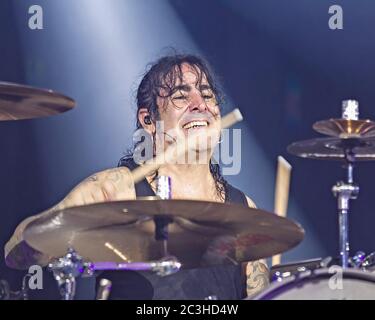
(281, 193)
(174, 151)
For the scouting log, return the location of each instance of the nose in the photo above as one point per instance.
(197, 103)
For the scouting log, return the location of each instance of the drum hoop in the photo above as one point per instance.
(278, 287)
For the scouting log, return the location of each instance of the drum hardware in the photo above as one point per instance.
(162, 222)
(360, 261)
(345, 191)
(65, 271)
(280, 272)
(162, 268)
(326, 262)
(353, 140)
(164, 187)
(357, 260)
(368, 262)
(322, 284)
(71, 266)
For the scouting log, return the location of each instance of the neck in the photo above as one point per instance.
(192, 168)
(191, 181)
(191, 172)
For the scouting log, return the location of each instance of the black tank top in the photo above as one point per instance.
(225, 282)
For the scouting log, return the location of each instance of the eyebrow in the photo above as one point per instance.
(187, 87)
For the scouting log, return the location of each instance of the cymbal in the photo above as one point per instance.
(200, 233)
(345, 128)
(19, 102)
(363, 149)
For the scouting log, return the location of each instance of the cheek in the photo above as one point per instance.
(170, 121)
(215, 110)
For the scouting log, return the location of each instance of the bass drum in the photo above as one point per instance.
(323, 284)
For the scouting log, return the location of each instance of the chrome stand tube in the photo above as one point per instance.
(345, 191)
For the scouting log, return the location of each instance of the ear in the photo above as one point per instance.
(142, 113)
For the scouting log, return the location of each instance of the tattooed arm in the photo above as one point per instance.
(257, 277)
(108, 185)
(257, 273)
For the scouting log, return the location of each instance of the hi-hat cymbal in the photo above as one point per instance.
(200, 233)
(362, 149)
(346, 128)
(19, 102)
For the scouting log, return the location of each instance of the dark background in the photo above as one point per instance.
(279, 63)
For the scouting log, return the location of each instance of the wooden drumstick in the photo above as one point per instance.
(281, 193)
(174, 151)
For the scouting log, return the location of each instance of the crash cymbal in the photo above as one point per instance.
(19, 102)
(362, 149)
(346, 128)
(200, 233)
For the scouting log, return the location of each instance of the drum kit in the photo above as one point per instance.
(350, 140)
(162, 235)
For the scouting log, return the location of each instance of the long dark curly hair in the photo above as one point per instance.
(161, 77)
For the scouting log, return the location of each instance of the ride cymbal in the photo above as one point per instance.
(199, 233)
(18, 102)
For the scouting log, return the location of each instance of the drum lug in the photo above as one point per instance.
(325, 262)
(357, 260)
(368, 261)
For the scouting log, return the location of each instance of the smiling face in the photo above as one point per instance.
(191, 106)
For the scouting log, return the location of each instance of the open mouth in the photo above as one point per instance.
(197, 124)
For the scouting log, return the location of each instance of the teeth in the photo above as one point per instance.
(195, 124)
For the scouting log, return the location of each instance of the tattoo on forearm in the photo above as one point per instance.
(257, 277)
(113, 176)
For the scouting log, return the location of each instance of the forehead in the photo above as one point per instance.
(191, 75)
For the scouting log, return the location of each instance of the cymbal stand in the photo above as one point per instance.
(67, 268)
(71, 266)
(164, 191)
(346, 190)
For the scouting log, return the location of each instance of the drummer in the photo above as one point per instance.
(176, 91)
